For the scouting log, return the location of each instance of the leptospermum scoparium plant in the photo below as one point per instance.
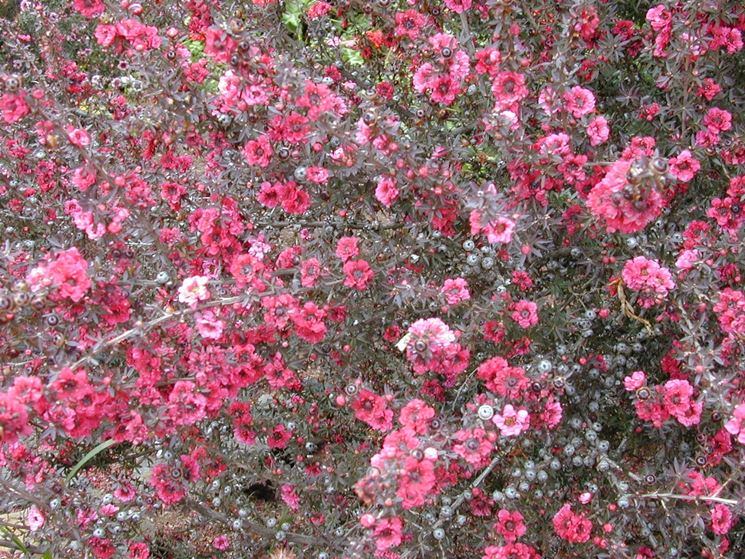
(395, 279)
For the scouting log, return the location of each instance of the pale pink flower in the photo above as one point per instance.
(635, 381)
(687, 260)
(512, 422)
(736, 425)
(209, 326)
(193, 290)
(386, 192)
(35, 518)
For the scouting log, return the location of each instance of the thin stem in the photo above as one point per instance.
(694, 498)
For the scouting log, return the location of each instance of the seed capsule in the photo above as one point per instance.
(486, 412)
(659, 165)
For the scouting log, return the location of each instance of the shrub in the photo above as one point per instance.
(391, 279)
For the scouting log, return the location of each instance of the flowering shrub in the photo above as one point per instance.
(395, 279)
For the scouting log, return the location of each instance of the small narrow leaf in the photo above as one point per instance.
(87, 458)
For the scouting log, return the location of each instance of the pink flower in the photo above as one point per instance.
(512, 422)
(221, 542)
(459, 6)
(388, 533)
(14, 107)
(386, 192)
(651, 280)
(209, 326)
(258, 152)
(579, 101)
(78, 137)
(508, 88)
(89, 8)
(621, 212)
(510, 525)
(346, 248)
(409, 24)
(186, 406)
(598, 130)
(488, 61)
(510, 551)
(635, 381)
(290, 497)
(687, 260)
(310, 271)
(373, 410)
(497, 231)
(659, 17)
(677, 395)
(684, 167)
(139, 550)
(308, 322)
(67, 272)
(318, 9)
(501, 378)
(572, 527)
(473, 446)
(455, 291)
(430, 333)
(317, 175)
(415, 482)
(721, 519)
(717, 120)
(193, 290)
(736, 425)
(168, 486)
(358, 274)
(219, 45)
(34, 518)
(444, 89)
(416, 415)
(525, 313)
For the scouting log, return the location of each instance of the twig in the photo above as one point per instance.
(695, 498)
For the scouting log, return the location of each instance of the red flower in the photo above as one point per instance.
(279, 437)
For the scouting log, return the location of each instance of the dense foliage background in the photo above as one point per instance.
(395, 279)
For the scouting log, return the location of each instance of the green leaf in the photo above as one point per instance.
(195, 48)
(15, 539)
(352, 56)
(291, 20)
(88, 457)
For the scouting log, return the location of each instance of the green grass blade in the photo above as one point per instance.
(87, 458)
(16, 540)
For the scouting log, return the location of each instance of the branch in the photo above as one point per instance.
(695, 498)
